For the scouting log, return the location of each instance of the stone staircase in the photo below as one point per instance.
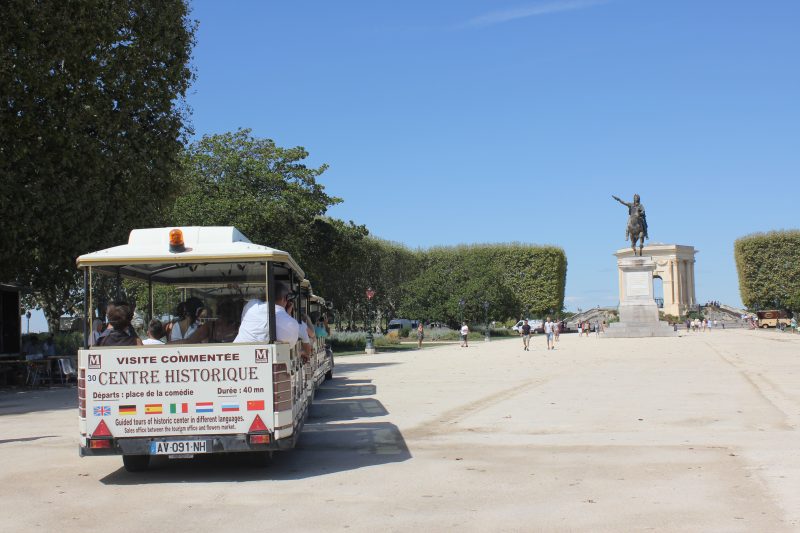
(596, 314)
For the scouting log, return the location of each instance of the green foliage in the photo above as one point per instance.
(344, 261)
(769, 269)
(357, 340)
(511, 277)
(235, 179)
(91, 127)
(68, 343)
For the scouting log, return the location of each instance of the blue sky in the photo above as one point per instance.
(495, 121)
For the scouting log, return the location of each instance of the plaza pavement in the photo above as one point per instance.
(697, 433)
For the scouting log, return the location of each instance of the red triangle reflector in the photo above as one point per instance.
(101, 430)
(257, 425)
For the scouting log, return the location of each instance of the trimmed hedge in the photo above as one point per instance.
(769, 269)
(511, 277)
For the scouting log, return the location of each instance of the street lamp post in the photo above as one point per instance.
(486, 317)
(28, 316)
(370, 347)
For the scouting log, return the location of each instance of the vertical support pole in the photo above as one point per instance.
(273, 331)
(150, 303)
(88, 313)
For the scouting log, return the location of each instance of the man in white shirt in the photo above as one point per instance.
(155, 332)
(548, 333)
(464, 335)
(255, 320)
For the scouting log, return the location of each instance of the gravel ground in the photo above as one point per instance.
(697, 433)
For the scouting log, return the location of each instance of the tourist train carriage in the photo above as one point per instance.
(186, 398)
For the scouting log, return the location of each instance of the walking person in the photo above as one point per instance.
(464, 335)
(556, 330)
(525, 331)
(548, 333)
(420, 335)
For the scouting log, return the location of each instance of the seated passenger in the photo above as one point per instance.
(97, 330)
(121, 333)
(226, 328)
(255, 320)
(155, 332)
(306, 343)
(180, 314)
(319, 326)
(188, 329)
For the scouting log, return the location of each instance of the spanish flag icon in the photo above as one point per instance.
(153, 409)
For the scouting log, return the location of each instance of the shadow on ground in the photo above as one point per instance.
(356, 367)
(17, 402)
(326, 445)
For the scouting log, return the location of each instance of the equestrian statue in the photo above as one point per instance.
(637, 223)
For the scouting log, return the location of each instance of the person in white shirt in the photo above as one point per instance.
(155, 331)
(548, 333)
(255, 320)
(96, 332)
(306, 341)
(464, 335)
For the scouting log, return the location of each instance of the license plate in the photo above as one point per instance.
(178, 447)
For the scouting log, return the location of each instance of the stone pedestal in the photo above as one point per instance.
(638, 312)
(675, 266)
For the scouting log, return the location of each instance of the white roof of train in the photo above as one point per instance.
(215, 244)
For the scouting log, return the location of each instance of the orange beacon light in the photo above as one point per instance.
(176, 241)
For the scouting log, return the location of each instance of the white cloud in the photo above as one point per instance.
(498, 17)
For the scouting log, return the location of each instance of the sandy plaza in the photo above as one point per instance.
(696, 433)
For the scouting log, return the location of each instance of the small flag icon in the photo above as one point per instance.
(153, 409)
(102, 410)
(175, 408)
(204, 407)
(255, 405)
(126, 410)
(228, 407)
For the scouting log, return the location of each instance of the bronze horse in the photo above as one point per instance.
(635, 232)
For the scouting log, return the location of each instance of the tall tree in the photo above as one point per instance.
(91, 128)
(264, 190)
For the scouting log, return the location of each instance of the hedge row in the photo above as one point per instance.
(769, 269)
(512, 278)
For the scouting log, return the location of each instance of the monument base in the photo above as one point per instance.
(641, 329)
(638, 312)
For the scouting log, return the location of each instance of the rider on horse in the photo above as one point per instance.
(635, 209)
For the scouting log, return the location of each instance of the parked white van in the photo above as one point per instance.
(536, 325)
(400, 323)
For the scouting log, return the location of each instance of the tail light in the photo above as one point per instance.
(101, 438)
(258, 426)
(281, 388)
(82, 393)
(259, 439)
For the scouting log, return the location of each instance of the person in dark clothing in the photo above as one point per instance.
(525, 331)
(121, 332)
